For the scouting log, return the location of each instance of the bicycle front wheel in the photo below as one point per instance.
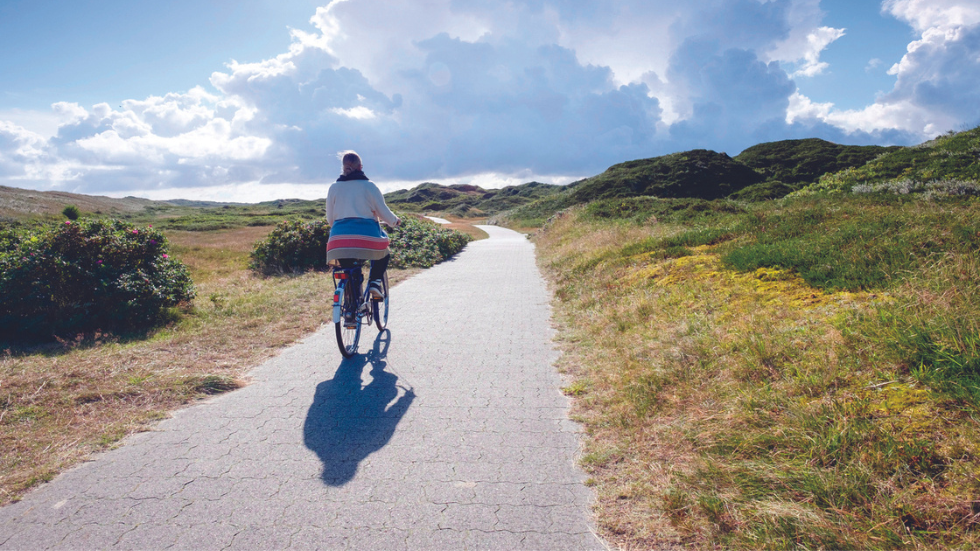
(380, 307)
(349, 327)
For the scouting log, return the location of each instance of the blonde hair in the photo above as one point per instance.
(350, 160)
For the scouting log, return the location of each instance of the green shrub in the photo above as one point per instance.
(293, 246)
(422, 244)
(646, 208)
(297, 246)
(71, 212)
(84, 276)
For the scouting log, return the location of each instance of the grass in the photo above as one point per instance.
(758, 406)
(62, 402)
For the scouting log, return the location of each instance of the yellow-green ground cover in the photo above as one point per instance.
(750, 410)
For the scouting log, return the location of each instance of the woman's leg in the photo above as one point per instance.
(379, 267)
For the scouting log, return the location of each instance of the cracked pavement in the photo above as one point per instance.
(448, 431)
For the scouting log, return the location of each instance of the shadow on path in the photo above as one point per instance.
(354, 414)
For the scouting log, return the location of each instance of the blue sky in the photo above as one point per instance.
(252, 100)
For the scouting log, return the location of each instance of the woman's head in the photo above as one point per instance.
(351, 162)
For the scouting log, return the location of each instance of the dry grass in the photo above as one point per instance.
(59, 404)
(24, 203)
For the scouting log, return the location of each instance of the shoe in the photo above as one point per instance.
(376, 289)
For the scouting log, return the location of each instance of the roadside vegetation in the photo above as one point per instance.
(801, 373)
(86, 388)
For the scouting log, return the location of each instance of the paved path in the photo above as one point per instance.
(448, 433)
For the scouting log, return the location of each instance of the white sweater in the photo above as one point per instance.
(357, 199)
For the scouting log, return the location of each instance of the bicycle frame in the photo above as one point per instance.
(342, 277)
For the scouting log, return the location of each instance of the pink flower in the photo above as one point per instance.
(165, 256)
(67, 222)
(98, 262)
(136, 231)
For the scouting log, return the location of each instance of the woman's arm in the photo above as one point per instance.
(380, 208)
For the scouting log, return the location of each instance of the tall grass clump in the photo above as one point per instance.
(932, 328)
(85, 276)
(854, 243)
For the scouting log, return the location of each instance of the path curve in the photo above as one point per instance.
(447, 432)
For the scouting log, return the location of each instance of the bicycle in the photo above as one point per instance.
(353, 306)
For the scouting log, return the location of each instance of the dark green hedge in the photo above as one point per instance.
(297, 246)
(86, 275)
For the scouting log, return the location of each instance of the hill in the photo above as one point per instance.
(805, 161)
(951, 158)
(699, 173)
(467, 200)
(19, 204)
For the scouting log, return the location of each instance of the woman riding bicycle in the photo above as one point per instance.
(354, 208)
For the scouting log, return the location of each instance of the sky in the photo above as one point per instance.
(252, 100)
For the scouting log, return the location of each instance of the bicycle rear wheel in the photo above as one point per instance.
(380, 307)
(349, 327)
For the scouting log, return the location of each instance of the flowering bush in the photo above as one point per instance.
(87, 275)
(296, 246)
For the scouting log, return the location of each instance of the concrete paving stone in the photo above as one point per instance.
(301, 514)
(101, 511)
(547, 494)
(164, 467)
(370, 514)
(256, 513)
(42, 512)
(496, 540)
(450, 492)
(34, 537)
(523, 518)
(211, 535)
(558, 541)
(478, 471)
(129, 465)
(207, 489)
(263, 538)
(108, 487)
(459, 516)
(436, 540)
(500, 493)
(155, 487)
(567, 519)
(96, 536)
(315, 538)
(411, 515)
(479, 440)
(387, 539)
(153, 510)
(211, 467)
(249, 468)
(197, 512)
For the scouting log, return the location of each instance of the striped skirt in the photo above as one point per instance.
(360, 238)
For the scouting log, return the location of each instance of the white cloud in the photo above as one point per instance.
(495, 93)
(816, 42)
(924, 15)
